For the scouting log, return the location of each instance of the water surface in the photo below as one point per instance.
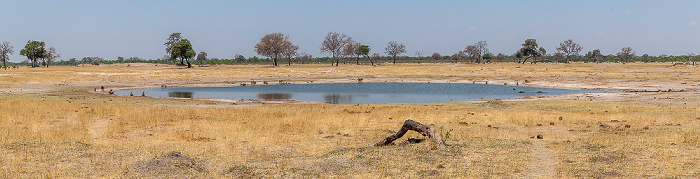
(360, 92)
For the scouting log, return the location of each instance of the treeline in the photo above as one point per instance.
(277, 47)
(382, 59)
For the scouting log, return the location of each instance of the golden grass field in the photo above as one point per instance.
(53, 124)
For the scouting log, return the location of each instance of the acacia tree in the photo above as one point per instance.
(33, 51)
(394, 49)
(173, 40)
(364, 50)
(274, 46)
(419, 53)
(626, 53)
(436, 56)
(531, 49)
(5, 52)
(594, 55)
(184, 51)
(50, 55)
(334, 44)
(201, 57)
(569, 48)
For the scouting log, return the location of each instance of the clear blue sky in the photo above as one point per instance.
(128, 28)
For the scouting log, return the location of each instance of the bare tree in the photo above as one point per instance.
(353, 50)
(334, 44)
(173, 40)
(569, 48)
(472, 52)
(5, 52)
(302, 57)
(394, 49)
(457, 56)
(201, 57)
(273, 46)
(419, 53)
(376, 57)
(559, 55)
(436, 56)
(290, 50)
(476, 51)
(500, 57)
(50, 55)
(626, 53)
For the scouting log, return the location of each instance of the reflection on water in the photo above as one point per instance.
(359, 92)
(275, 96)
(337, 98)
(180, 94)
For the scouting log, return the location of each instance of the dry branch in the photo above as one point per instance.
(425, 130)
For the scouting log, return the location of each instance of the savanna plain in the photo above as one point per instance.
(57, 122)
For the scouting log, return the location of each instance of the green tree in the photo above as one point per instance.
(33, 51)
(364, 50)
(594, 55)
(531, 49)
(183, 50)
(5, 52)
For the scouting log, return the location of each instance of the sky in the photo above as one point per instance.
(138, 28)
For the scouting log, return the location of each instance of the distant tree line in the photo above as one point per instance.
(341, 48)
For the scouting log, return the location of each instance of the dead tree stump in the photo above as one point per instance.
(425, 130)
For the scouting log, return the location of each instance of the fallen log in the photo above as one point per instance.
(425, 130)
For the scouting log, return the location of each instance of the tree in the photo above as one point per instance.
(500, 56)
(33, 51)
(436, 56)
(394, 49)
(50, 55)
(569, 48)
(364, 50)
(302, 57)
(290, 51)
(559, 55)
(594, 55)
(353, 50)
(334, 44)
(274, 46)
(531, 49)
(487, 57)
(419, 53)
(626, 53)
(376, 57)
(201, 57)
(184, 51)
(5, 51)
(457, 56)
(476, 51)
(173, 40)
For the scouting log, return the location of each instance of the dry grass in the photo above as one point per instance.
(60, 130)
